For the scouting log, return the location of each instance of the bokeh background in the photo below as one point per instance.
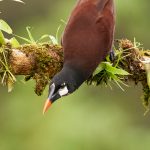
(93, 118)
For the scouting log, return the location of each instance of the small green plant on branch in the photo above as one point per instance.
(41, 59)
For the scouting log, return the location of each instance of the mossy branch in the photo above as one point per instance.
(42, 61)
(36, 61)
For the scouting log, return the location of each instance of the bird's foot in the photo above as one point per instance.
(112, 55)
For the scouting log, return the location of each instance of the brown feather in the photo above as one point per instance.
(89, 33)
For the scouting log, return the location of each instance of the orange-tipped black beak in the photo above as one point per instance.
(49, 100)
(47, 104)
(53, 96)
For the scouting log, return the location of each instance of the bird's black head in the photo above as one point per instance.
(64, 83)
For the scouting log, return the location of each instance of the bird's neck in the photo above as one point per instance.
(74, 75)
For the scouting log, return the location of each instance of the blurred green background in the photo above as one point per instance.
(93, 118)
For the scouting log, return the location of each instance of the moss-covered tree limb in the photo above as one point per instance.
(42, 61)
(28, 59)
(36, 61)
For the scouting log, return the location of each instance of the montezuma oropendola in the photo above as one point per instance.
(86, 41)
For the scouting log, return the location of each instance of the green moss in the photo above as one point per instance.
(131, 61)
(146, 96)
(128, 56)
(6, 76)
(48, 60)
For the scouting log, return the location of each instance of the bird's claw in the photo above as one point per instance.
(112, 55)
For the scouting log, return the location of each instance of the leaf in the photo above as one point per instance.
(30, 35)
(10, 84)
(117, 80)
(20, 1)
(2, 39)
(53, 40)
(22, 38)
(42, 38)
(57, 33)
(3, 79)
(14, 42)
(108, 67)
(1, 50)
(115, 70)
(5, 27)
(99, 68)
(147, 68)
(63, 21)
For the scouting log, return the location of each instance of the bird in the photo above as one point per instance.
(87, 40)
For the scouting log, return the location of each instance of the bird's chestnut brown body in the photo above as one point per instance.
(86, 41)
(88, 36)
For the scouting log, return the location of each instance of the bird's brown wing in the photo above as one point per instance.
(88, 35)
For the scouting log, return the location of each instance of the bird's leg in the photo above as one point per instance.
(112, 55)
